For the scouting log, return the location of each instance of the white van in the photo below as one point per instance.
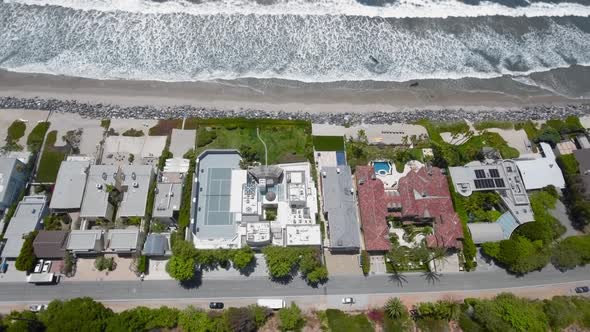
(274, 304)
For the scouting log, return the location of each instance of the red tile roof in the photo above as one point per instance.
(422, 194)
(373, 209)
(425, 194)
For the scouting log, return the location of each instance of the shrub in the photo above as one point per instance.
(103, 263)
(205, 137)
(105, 123)
(571, 252)
(239, 319)
(291, 318)
(133, 132)
(365, 262)
(395, 309)
(142, 265)
(260, 314)
(26, 258)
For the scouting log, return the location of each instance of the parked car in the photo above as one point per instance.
(347, 300)
(216, 305)
(582, 289)
(46, 266)
(37, 307)
(38, 267)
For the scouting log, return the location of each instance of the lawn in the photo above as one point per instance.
(328, 143)
(459, 155)
(50, 159)
(15, 132)
(35, 139)
(493, 124)
(286, 141)
(341, 322)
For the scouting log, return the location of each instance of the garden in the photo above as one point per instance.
(505, 312)
(51, 159)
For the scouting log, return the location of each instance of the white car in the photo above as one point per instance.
(347, 300)
(38, 267)
(37, 307)
(46, 266)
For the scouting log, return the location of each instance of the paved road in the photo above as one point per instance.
(259, 287)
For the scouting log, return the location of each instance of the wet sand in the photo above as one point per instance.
(560, 86)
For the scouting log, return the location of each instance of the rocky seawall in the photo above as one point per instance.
(102, 111)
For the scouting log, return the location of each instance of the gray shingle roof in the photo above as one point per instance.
(12, 180)
(95, 203)
(50, 244)
(167, 199)
(339, 203)
(156, 245)
(122, 239)
(85, 240)
(27, 218)
(137, 178)
(70, 184)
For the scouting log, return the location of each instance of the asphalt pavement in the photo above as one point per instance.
(263, 287)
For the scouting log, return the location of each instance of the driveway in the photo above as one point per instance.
(86, 271)
(342, 264)
(560, 213)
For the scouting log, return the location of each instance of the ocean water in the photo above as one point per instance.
(301, 40)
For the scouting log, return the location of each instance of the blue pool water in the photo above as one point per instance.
(381, 167)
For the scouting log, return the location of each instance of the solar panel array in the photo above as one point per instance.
(483, 182)
(494, 173)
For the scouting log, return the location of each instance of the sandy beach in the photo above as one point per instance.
(292, 96)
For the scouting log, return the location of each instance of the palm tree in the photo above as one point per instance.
(395, 309)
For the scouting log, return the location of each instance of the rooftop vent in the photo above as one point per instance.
(338, 170)
(135, 185)
(133, 176)
(99, 186)
(104, 175)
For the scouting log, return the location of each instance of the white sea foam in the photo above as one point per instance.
(180, 47)
(401, 9)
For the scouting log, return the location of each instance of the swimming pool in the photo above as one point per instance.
(382, 167)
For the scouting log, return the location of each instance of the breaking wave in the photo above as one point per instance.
(178, 46)
(370, 8)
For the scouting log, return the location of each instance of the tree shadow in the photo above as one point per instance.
(432, 277)
(193, 283)
(398, 279)
(249, 269)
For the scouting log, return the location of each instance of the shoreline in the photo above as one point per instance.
(337, 102)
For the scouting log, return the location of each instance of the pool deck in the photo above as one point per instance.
(390, 180)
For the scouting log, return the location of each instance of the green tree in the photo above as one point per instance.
(79, 314)
(317, 275)
(395, 309)
(290, 318)
(281, 261)
(509, 313)
(571, 252)
(239, 319)
(181, 268)
(26, 258)
(242, 258)
(143, 319)
(260, 314)
(193, 320)
(549, 135)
